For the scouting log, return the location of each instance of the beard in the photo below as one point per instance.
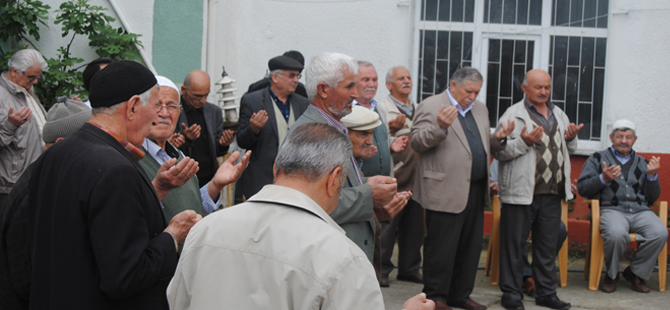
(339, 114)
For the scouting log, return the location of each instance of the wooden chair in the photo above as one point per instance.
(493, 255)
(595, 256)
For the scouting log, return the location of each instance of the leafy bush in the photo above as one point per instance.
(20, 19)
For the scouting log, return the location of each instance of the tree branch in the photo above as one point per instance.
(29, 42)
(67, 51)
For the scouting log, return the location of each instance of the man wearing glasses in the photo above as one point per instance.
(186, 195)
(265, 117)
(22, 117)
(201, 124)
(626, 185)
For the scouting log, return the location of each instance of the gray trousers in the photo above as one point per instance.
(651, 234)
(408, 226)
(543, 218)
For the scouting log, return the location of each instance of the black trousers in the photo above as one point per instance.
(408, 226)
(452, 249)
(542, 217)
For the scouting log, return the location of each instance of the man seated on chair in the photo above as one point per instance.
(626, 185)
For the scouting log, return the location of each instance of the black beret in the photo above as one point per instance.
(284, 63)
(118, 82)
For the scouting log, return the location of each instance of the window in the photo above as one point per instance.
(506, 38)
(442, 53)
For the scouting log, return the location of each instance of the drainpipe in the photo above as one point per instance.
(124, 23)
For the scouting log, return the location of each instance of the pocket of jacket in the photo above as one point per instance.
(435, 175)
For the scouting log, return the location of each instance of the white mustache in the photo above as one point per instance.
(407, 85)
(370, 89)
(164, 121)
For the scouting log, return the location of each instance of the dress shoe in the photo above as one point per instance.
(553, 302)
(609, 285)
(638, 283)
(441, 305)
(384, 281)
(416, 278)
(513, 304)
(529, 286)
(470, 305)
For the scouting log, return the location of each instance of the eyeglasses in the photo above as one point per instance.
(620, 137)
(291, 75)
(171, 108)
(32, 77)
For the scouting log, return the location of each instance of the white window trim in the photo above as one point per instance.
(585, 147)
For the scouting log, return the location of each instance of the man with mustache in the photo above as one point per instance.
(380, 161)
(331, 86)
(626, 185)
(534, 175)
(408, 226)
(187, 195)
(265, 117)
(451, 134)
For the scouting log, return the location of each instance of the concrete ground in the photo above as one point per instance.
(576, 293)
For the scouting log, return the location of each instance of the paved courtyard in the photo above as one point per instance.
(576, 293)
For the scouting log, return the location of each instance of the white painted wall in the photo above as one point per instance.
(638, 64)
(138, 14)
(246, 34)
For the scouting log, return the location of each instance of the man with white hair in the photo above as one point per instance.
(100, 238)
(280, 249)
(203, 201)
(408, 226)
(330, 79)
(22, 117)
(626, 185)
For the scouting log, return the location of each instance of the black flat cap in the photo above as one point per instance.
(284, 63)
(118, 82)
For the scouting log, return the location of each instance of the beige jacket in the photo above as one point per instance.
(19, 146)
(279, 250)
(443, 175)
(517, 164)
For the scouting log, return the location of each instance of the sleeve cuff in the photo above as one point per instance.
(209, 205)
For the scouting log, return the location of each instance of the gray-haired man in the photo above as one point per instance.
(331, 86)
(22, 117)
(318, 269)
(626, 185)
(451, 133)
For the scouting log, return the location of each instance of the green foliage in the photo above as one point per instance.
(20, 17)
(77, 18)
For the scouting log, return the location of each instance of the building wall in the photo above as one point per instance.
(177, 37)
(246, 34)
(243, 35)
(638, 68)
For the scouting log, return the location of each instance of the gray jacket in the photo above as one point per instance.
(630, 194)
(517, 162)
(354, 211)
(19, 146)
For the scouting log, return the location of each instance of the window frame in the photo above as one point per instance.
(483, 31)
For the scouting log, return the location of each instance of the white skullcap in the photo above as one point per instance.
(163, 81)
(623, 124)
(361, 119)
